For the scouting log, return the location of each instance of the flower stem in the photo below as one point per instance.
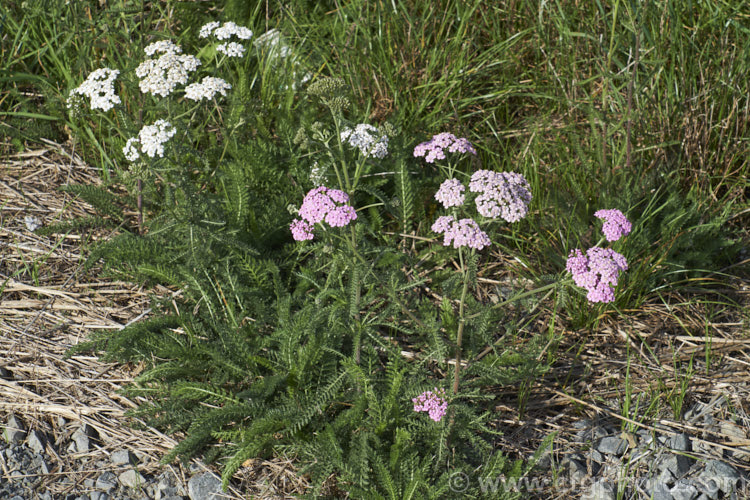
(461, 320)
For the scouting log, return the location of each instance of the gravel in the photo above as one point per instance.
(27, 458)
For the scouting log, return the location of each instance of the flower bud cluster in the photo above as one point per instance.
(160, 76)
(433, 403)
(503, 194)
(367, 138)
(99, 87)
(322, 204)
(207, 88)
(435, 148)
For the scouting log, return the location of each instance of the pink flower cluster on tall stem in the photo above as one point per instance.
(616, 225)
(433, 403)
(462, 233)
(503, 194)
(599, 269)
(434, 149)
(597, 272)
(320, 205)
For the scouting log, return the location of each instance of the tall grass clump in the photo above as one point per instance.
(327, 184)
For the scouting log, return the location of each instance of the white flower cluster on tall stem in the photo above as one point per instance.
(99, 87)
(151, 139)
(160, 76)
(367, 138)
(225, 32)
(231, 49)
(207, 88)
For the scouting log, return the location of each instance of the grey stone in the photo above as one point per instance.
(725, 475)
(596, 456)
(678, 465)
(204, 487)
(612, 445)
(131, 479)
(680, 442)
(682, 490)
(106, 482)
(582, 424)
(707, 487)
(666, 477)
(36, 441)
(600, 490)
(14, 432)
(645, 437)
(81, 439)
(660, 491)
(165, 492)
(98, 495)
(123, 457)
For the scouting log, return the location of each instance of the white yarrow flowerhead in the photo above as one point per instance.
(130, 150)
(207, 88)
(231, 49)
(99, 87)
(230, 29)
(162, 47)
(208, 28)
(153, 137)
(368, 139)
(160, 76)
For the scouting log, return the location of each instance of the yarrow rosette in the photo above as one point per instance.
(322, 204)
(503, 194)
(597, 272)
(464, 232)
(435, 148)
(433, 403)
(616, 225)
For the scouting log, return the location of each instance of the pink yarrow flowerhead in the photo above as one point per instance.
(451, 193)
(616, 225)
(434, 149)
(503, 194)
(462, 233)
(322, 204)
(597, 272)
(433, 403)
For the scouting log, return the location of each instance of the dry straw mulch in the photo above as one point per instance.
(48, 305)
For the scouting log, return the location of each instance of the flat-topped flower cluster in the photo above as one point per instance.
(99, 87)
(435, 148)
(598, 271)
(368, 139)
(320, 205)
(433, 403)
